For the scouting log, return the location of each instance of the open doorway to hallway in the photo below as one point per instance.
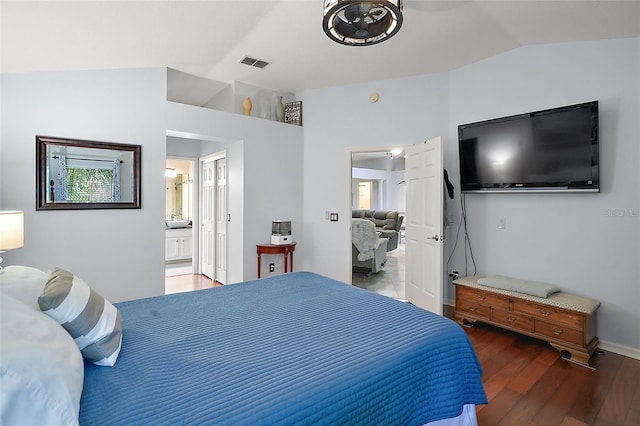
(378, 184)
(185, 215)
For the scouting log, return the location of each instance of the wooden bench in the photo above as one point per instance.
(564, 320)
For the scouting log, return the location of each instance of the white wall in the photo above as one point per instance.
(264, 160)
(121, 252)
(586, 243)
(394, 197)
(118, 252)
(409, 111)
(574, 240)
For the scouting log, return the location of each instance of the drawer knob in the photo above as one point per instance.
(473, 308)
(481, 297)
(557, 331)
(511, 319)
(545, 313)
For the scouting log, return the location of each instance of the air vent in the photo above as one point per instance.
(254, 62)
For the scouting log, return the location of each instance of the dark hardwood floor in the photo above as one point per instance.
(528, 383)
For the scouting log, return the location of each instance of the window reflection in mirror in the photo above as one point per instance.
(75, 174)
(179, 189)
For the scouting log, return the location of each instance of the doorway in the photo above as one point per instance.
(214, 214)
(424, 208)
(378, 183)
(180, 202)
(365, 194)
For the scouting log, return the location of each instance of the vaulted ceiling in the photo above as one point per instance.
(209, 38)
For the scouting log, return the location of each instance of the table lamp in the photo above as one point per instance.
(11, 231)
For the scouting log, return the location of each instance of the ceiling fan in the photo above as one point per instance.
(361, 23)
(367, 22)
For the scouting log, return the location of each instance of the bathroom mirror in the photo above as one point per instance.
(77, 174)
(179, 191)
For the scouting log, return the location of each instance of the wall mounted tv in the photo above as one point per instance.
(544, 151)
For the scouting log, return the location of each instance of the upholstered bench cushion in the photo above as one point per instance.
(559, 300)
(533, 288)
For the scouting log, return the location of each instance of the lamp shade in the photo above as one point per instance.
(11, 230)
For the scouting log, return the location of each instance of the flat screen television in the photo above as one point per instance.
(544, 151)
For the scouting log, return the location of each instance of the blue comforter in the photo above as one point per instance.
(297, 348)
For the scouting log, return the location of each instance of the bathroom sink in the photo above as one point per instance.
(178, 223)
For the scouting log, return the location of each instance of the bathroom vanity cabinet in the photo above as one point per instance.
(178, 244)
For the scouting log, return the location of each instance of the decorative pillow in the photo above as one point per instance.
(41, 369)
(92, 321)
(532, 288)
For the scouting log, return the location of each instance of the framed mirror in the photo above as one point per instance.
(76, 174)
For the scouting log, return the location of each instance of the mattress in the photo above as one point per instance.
(297, 348)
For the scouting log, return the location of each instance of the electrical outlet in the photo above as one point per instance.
(272, 267)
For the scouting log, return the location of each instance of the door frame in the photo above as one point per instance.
(349, 197)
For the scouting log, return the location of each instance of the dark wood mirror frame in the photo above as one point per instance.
(45, 199)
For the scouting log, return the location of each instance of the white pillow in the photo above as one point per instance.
(23, 283)
(89, 318)
(41, 369)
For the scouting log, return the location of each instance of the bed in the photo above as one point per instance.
(293, 349)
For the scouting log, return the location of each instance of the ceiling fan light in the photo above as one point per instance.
(361, 23)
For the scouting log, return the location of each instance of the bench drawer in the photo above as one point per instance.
(549, 313)
(512, 319)
(560, 332)
(474, 308)
(485, 298)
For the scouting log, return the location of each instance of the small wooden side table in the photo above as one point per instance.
(285, 249)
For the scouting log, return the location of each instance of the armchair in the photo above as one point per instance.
(387, 222)
(368, 251)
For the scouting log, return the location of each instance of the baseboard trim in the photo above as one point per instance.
(620, 349)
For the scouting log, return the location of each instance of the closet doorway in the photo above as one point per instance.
(214, 216)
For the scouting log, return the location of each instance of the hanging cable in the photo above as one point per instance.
(466, 238)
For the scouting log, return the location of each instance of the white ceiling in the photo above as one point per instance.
(208, 38)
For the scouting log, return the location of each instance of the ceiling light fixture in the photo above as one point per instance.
(361, 23)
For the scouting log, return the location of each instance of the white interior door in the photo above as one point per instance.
(365, 191)
(207, 245)
(221, 220)
(424, 225)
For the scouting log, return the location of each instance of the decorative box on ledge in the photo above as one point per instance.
(564, 320)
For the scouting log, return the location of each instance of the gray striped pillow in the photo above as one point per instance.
(89, 318)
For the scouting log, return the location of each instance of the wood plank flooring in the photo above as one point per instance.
(527, 383)
(188, 282)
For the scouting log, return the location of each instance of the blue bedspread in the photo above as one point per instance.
(297, 348)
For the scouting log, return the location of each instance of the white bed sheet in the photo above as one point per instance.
(466, 418)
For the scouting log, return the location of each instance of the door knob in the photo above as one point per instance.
(436, 237)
